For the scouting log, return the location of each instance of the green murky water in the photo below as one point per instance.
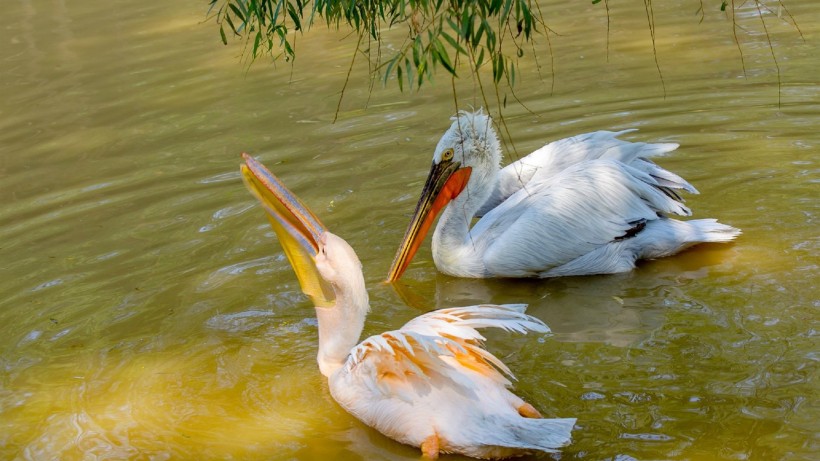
(146, 311)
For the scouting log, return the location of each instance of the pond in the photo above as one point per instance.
(147, 311)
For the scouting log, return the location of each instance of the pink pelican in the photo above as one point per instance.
(590, 204)
(429, 384)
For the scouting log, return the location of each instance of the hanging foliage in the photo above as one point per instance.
(485, 32)
(478, 34)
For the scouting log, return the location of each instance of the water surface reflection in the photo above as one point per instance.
(146, 311)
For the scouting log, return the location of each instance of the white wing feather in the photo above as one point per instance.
(432, 377)
(431, 345)
(589, 204)
(557, 156)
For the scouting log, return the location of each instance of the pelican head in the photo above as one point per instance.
(328, 269)
(472, 140)
(299, 231)
(339, 266)
(467, 157)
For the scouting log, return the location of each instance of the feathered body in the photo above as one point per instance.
(431, 379)
(430, 384)
(590, 204)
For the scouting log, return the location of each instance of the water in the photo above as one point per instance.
(147, 312)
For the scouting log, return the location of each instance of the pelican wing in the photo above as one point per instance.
(463, 322)
(442, 347)
(558, 219)
(557, 156)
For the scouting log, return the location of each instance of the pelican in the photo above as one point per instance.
(429, 384)
(590, 204)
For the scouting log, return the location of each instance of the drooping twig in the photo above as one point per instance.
(347, 78)
(793, 21)
(737, 42)
(650, 17)
(606, 5)
(771, 49)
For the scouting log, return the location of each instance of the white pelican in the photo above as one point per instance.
(429, 384)
(590, 204)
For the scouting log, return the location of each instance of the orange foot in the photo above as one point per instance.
(528, 411)
(429, 448)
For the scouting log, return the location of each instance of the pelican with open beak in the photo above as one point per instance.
(430, 384)
(590, 204)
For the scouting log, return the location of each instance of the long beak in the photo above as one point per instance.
(445, 181)
(297, 228)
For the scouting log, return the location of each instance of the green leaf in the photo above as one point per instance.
(459, 49)
(444, 58)
(498, 71)
(505, 13)
(480, 32)
(236, 11)
(723, 6)
(256, 42)
(389, 68)
(417, 50)
(230, 23)
(243, 8)
(490, 41)
(480, 58)
(222, 34)
(295, 17)
(275, 16)
(408, 73)
(594, 2)
(466, 24)
(454, 26)
(528, 20)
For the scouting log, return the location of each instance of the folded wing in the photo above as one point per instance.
(556, 220)
(559, 155)
(443, 345)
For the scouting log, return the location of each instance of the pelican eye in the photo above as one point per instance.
(447, 154)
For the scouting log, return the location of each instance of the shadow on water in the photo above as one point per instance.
(616, 309)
